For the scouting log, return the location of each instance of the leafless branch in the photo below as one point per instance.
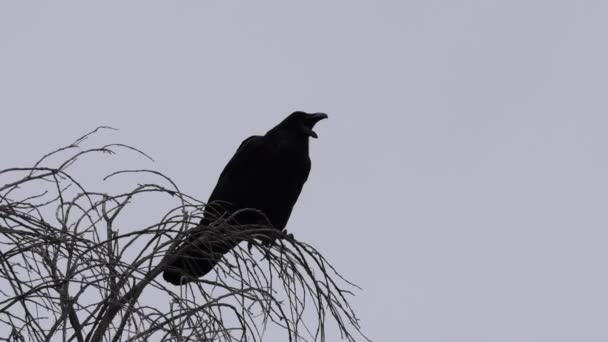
(71, 270)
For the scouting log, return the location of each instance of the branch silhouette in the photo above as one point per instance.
(69, 272)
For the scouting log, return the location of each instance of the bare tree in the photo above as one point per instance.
(68, 273)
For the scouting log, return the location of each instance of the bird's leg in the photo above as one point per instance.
(266, 245)
(287, 235)
(270, 242)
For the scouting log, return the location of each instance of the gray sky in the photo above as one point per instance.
(461, 177)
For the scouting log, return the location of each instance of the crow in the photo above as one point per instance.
(265, 174)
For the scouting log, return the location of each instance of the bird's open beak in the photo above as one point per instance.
(312, 120)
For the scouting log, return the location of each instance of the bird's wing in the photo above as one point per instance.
(247, 151)
(248, 165)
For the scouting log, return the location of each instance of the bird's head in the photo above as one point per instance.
(302, 123)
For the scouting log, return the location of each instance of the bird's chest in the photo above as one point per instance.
(287, 174)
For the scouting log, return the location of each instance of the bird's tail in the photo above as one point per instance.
(198, 255)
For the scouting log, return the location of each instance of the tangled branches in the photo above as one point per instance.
(67, 272)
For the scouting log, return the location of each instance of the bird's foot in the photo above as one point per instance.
(287, 235)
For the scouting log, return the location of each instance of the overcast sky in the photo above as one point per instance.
(461, 179)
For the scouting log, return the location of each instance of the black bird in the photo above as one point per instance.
(266, 173)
